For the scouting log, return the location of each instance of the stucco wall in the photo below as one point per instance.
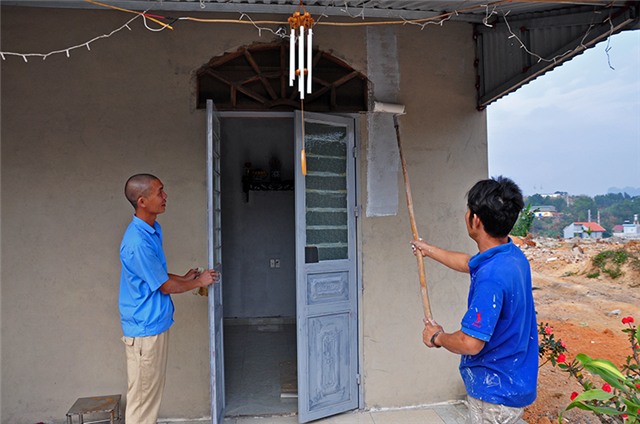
(444, 143)
(73, 129)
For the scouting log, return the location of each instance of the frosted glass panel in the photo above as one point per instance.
(326, 190)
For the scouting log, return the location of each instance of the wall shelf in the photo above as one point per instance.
(265, 185)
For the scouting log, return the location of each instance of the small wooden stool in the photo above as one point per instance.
(95, 405)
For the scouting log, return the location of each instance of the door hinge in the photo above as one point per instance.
(358, 379)
(355, 152)
(356, 211)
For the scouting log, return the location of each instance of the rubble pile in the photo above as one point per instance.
(573, 257)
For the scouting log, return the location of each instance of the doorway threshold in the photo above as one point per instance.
(260, 321)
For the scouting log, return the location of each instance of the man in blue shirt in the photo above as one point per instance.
(498, 339)
(146, 308)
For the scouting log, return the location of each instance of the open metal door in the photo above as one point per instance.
(214, 244)
(327, 330)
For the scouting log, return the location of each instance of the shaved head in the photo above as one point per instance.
(138, 186)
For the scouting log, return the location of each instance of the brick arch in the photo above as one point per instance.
(256, 78)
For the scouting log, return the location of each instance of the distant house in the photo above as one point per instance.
(628, 230)
(544, 211)
(556, 194)
(583, 230)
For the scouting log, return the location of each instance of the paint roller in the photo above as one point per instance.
(396, 110)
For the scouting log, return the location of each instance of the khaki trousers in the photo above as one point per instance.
(146, 372)
(481, 412)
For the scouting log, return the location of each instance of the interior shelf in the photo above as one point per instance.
(260, 185)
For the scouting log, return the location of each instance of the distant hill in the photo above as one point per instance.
(631, 191)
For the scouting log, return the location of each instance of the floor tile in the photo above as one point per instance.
(266, 420)
(407, 416)
(349, 418)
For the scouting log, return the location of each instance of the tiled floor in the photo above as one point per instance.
(439, 414)
(255, 358)
(435, 414)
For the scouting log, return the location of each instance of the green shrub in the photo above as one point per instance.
(612, 272)
(620, 256)
(613, 257)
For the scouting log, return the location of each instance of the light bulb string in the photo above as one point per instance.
(282, 33)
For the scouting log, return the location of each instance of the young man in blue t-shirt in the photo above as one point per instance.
(498, 339)
(146, 309)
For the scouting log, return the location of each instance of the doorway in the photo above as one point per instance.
(290, 314)
(259, 296)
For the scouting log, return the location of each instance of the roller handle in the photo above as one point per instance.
(414, 228)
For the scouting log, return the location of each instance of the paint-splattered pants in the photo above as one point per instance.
(481, 412)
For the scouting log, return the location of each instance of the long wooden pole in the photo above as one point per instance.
(414, 228)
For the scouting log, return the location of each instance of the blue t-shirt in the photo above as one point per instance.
(144, 309)
(501, 312)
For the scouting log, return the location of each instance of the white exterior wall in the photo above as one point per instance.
(73, 130)
(570, 231)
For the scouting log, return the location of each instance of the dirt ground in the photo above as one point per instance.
(584, 312)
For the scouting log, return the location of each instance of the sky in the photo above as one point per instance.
(574, 129)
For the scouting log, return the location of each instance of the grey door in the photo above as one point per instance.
(326, 267)
(214, 239)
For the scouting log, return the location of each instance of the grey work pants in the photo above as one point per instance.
(481, 412)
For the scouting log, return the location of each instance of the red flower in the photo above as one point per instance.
(625, 416)
(563, 344)
(548, 330)
(562, 358)
(606, 387)
(574, 395)
(638, 386)
(627, 320)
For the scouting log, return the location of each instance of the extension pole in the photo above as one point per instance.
(414, 228)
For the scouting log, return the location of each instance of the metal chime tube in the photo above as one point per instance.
(292, 57)
(301, 62)
(309, 59)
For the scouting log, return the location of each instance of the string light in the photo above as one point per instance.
(554, 59)
(86, 44)
(606, 50)
(346, 10)
(490, 10)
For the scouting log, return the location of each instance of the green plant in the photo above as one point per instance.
(523, 224)
(617, 400)
(594, 274)
(612, 272)
(614, 257)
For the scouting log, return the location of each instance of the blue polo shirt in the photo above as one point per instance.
(144, 309)
(501, 312)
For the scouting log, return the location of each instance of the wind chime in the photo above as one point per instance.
(301, 24)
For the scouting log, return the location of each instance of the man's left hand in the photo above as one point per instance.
(430, 328)
(192, 274)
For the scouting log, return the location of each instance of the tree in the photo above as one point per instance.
(606, 200)
(579, 209)
(614, 209)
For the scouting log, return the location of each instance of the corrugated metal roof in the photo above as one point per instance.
(464, 10)
(518, 49)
